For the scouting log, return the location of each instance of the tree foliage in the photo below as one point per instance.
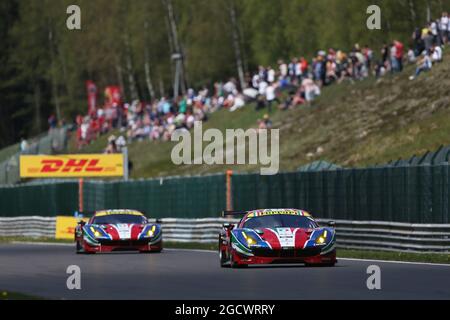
(44, 65)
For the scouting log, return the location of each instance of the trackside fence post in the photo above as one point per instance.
(229, 190)
(80, 194)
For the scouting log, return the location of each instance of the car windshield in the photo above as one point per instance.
(280, 221)
(119, 218)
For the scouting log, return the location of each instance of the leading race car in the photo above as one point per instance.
(276, 236)
(118, 230)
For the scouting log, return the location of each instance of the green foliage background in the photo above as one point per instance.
(43, 64)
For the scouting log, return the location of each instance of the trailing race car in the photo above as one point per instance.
(118, 230)
(276, 236)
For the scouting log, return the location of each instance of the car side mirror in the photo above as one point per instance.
(332, 224)
(228, 226)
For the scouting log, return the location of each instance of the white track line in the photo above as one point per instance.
(212, 251)
(398, 262)
(191, 250)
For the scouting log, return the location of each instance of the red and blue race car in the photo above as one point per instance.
(118, 230)
(272, 236)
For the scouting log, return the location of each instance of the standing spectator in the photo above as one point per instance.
(385, 55)
(444, 26)
(435, 32)
(291, 68)
(270, 96)
(448, 29)
(304, 66)
(393, 58)
(23, 145)
(112, 146)
(428, 40)
(52, 122)
(283, 68)
(319, 70)
(262, 73)
(298, 71)
(255, 81)
(399, 50)
(262, 85)
(270, 75)
(418, 42)
(368, 55)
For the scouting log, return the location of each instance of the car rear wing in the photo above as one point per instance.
(84, 214)
(233, 213)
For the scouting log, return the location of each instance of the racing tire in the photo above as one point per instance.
(223, 261)
(79, 248)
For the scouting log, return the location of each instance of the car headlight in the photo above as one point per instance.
(151, 232)
(96, 233)
(250, 240)
(322, 238)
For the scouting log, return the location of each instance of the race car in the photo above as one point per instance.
(275, 236)
(118, 230)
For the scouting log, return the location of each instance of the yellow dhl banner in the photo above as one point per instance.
(65, 166)
(65, 227)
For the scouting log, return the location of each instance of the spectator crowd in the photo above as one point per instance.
(290, 84)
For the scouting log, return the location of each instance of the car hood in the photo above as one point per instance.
(121, 231)
(277, 238)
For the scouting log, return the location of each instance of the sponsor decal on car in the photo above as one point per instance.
(266, 212)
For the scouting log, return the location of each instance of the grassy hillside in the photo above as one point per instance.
(357, 124)
(8, 152)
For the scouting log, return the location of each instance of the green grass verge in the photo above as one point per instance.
(30, 239)
(342, 253)
(8, 295)
(8, 152)
(395, 256)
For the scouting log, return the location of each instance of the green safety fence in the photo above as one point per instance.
(414, 194)
(189, 197)
(44, 199)
(404, 194)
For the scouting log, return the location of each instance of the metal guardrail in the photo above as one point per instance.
(205, 230)
(33, 226)
(365, 235)
(393, 236)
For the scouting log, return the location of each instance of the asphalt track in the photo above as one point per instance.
(181, 274)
